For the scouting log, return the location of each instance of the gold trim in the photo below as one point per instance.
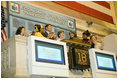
(76, 42)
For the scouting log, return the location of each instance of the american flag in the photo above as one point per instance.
(3, 26)
(97, 9)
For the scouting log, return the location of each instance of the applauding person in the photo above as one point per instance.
(48, 29)
(39, 31)
(72, 35)
(60, 35)
(95, 44)
(20, 31)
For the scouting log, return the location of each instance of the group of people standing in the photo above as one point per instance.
(39, 32)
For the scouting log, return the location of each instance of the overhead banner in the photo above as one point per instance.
(30, 12)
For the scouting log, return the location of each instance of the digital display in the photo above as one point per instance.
(105, 61)
(48, 52)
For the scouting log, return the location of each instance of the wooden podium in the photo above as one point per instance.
(14, 59)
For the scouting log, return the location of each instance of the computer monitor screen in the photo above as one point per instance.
(49, 52)
(105, 61)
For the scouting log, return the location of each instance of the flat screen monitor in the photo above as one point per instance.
(47, 57)
(102, 63)
(105, 61)
(49, 52)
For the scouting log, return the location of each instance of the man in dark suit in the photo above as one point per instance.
(48, 29)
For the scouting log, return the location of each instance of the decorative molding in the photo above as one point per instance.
(70, 13)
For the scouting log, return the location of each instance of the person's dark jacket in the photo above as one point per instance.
(45, 34)
(92, 45)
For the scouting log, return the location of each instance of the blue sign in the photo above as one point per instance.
(29, 15)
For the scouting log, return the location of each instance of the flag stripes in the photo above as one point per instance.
(3, 26)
